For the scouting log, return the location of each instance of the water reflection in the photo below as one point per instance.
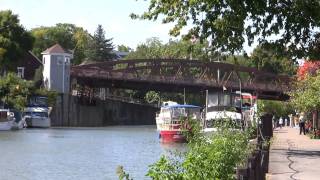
(80, 153)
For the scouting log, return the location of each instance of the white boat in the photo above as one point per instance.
(218, 115)
(11, 120)
(37, 117)
(221, 106)
(170, 120)
(36, 114)
(248, 108)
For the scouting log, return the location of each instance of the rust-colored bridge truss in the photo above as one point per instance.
(172, 75)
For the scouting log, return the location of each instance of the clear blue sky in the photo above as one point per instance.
(113, 15)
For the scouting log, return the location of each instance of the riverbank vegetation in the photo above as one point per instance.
(213, 157)
(208, 156)
(14, 91)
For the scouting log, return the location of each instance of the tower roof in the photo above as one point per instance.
(56, 49)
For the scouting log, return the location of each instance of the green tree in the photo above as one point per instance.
(67, 35)
(14, 40)
(229, 23)
(124, 48)
(82, 39)
(272, 58)
(267, 57)
(179, 49)
(14, 91)
(100, 48)
(276, 108)
(305, 97)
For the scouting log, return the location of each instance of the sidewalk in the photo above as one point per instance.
(293, 156)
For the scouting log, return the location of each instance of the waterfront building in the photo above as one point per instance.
(56, 68)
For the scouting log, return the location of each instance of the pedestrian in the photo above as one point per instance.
(308, 126)
(280, 122)
(302, 124)
(285, 121)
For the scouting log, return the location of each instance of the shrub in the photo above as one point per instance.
(213, 157)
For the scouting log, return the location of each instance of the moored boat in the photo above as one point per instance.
(170, 120)
(36, 114)
(6, 119)
(237, 107)
(11, 120)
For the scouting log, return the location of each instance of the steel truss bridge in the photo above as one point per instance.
(175, 75)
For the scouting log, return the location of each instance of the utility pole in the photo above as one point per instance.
(206, 109)
(184, 95)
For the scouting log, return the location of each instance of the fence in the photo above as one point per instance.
(256, 166)
(257, 163)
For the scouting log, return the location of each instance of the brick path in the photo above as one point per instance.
(293, 156)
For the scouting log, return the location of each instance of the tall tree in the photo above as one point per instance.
(273, 58)
(100, 48)
(229, 23)
(68, 36)
(14, 40)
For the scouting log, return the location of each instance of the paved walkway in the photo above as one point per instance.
(293, 156)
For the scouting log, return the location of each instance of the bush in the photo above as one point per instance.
(214, 157)
(14, 91)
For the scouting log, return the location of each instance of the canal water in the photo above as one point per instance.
(80, 153)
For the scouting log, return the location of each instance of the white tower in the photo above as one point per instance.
(56, 68)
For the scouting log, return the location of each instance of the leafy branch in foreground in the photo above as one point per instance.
(226, 22)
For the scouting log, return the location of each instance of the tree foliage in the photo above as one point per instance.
(15, 41)
(308, 68)
(182, 49)
(14, 91)
(68, 36)
(273, 58)
(267, 57)
(124, 48)
(276, 108)
(229, 24)
(152, 97)
(305, 97)
(100, 48)
(213, 157)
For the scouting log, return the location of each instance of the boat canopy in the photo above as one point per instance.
(181, 106)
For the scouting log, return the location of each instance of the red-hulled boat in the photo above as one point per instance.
(169, 120)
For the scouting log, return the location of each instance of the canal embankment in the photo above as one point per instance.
(72, 111)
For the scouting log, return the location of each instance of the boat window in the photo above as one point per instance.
(40, 114)
(3, 116)
(219, 99)
(225, 100)
(213, 100)
(38, 101)
(27, 113)
(177, 112)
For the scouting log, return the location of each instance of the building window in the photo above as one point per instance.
(44, 60)
(59, 60)
(21, 72)
(67, 61)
